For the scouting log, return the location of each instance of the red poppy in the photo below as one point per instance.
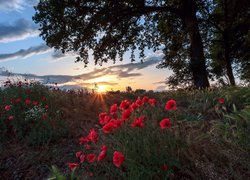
(83, 140)
(46, 107)
(171, 105)
(35, 103)
(138, 102)
(117, 123)
(18, 100)
(165, 123)
(221, 101)
(134, 106)
(138, 122)
(108, 127)
(152, 102)
(73, 166)
(10, 118)
(102, 155)
(126, 114)
(82, 158)
(124, 105)
(118, 158)
(113, 109)
(27, 101)
(102, 115)
(91, 158)
(7, 107)
(78, 154)
(104, 118)
(164, 167)
(93, 135)
(87, 146)
(104, 148)
(145, 99)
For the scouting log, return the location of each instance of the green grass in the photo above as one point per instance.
(207, 140)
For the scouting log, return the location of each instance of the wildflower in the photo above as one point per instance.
(87, 146)
(91, 158)
(73, 166)
(171, 105)
(17, 100)
(221, 101)
(145, 99)
(165, 123)
(138, 122)
(93, 135)
(78, 154)
(118, 158)
(35, 103)
(116, 123)
(104, 118)
(104, 148)
(138, 102)
(126, 114)
(164, 167)
(152, 102)
(108, 127)
(124, 105)
(46, 107)
(102, 155)
(10, 118)
(82, 158)
(134, 106)
(83, 140)
(7, 107)
(27, 101)
(113, 109)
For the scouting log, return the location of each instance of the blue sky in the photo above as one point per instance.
(24, 53)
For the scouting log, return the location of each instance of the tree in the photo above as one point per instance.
(110, 28)
(230, 23)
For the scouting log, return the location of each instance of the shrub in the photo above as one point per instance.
(28, 113)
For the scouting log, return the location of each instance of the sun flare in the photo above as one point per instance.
(101, 89)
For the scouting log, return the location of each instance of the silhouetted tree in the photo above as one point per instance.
(110, 28)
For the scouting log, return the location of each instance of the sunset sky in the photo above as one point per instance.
(24, 54)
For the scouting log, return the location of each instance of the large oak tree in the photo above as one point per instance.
(110, 28)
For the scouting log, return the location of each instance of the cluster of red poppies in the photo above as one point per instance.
(15, 107)
(116, 118)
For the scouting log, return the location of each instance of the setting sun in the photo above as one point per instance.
(101, 89)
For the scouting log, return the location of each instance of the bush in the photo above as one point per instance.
(28, 113)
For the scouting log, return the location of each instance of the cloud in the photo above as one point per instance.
(120, 71)
(160, 82)
(16, 5)
(19, 30)
(161, 88)
(24, 53)
(10, 5)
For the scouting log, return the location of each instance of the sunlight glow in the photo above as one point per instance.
(101, 89)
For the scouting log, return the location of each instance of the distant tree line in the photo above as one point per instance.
(201, 39)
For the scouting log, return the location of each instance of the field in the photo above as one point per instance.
(183, 134)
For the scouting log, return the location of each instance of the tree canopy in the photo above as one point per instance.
(110, 28)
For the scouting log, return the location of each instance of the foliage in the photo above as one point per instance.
(28, 113)
(110, 28)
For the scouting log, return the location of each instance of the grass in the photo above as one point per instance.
(207, 139)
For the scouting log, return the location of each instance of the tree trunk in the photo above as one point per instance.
(228, 62)
(226, 46)
(197, 58)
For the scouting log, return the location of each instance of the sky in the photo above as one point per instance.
(23, 54)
